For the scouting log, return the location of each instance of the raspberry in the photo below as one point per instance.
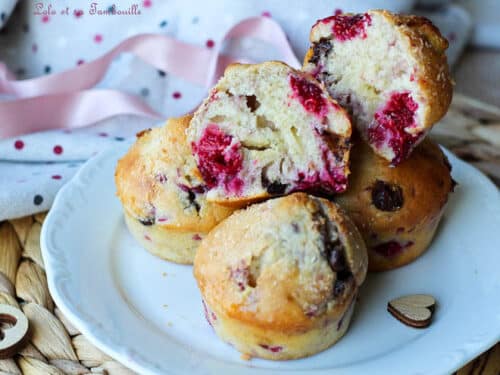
(241, 275)
(273, 349)
(331, 179)
(219, 159)
(389, 126)
(347, 27)
(309, 95)
(391, 248)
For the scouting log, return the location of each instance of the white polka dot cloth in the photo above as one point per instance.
(49, 36)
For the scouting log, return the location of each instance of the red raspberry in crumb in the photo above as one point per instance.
(219, 159)
(347, 27)
(241, 275)
(389, 126)
(273, 349)
(331, 179)
(391, 248)
(309, 95)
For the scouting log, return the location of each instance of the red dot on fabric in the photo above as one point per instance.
(19, 145)
(45, 19)
(80, 62)
(58, 150)
(177, 95)
(337, 11)
(210, 43)
(103, 134)
(98, 38)
(56, 177)
(78, 13)
(147, 3)
(266, 14)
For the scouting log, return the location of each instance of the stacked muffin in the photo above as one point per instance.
(279, 277)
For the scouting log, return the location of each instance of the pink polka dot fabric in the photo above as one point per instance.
(37, 41)
(6, 8)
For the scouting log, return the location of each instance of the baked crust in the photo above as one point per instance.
(424, 45)
(424, 181)
(267, 125)
(160, 187)
(428, 47)
(263, 274)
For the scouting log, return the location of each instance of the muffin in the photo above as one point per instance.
(163, 193)
(279, 279)
(268, 130)
(390, 72)
(397, 210)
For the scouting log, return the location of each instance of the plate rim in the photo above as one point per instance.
(96, 335)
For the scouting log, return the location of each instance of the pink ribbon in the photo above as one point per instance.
(66, 100)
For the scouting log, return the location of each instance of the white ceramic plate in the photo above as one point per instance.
(147, 313)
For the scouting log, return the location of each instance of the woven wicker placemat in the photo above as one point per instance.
(471, 129)
(55, 346)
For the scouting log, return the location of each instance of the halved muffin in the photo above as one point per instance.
(390, 72)
(266, 130)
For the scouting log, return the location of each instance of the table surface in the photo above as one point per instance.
(477, 74)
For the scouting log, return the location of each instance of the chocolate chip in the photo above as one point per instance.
(336, 260)
(334, 251)
(273, 188)
(338, 288)
(276, 188)
(342, 282)
(191, 192)
(387, 197)
(147, 221)
(252, 102)
(320, 48)
(192, 200)
(344, 275)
